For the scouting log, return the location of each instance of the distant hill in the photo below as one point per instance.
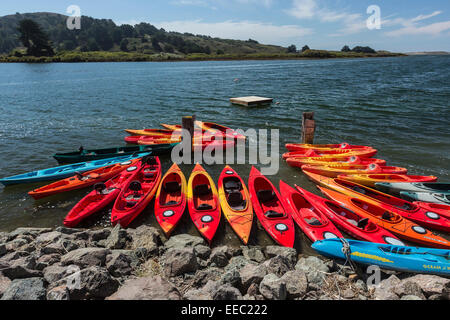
(105, 35)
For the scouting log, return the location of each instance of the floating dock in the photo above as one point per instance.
(251, 101)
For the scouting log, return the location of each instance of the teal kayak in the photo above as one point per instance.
(83, 155)
(438, 198)
(400, 258)
(63, 172)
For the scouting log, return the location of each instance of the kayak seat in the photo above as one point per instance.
(151, 161)
(171, 203)
(265, 196)
(204, 207)
(135, 186)
(202, 190)
(172, 187)
(353, 222)
(149, 173)
(100, 187)
(232, 184)
(387, 216)
(273, 214)
(313, 222)
(236, 201)
(359, 190)
(363, 223)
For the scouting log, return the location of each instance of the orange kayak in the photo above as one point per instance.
(170, 201)
(390, 221)
(432, 219)
(217, 128)
(333, 170)
(235, 202)
(332, 153)
(171, 126)
(153, 132)
(299, 162)
(370, 179)
(344, 146)
(81, 181)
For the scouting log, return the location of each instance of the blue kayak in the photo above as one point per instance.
(63, 172)
(407, 259)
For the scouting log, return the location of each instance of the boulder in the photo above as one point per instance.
(289, 253)
(183, 241)
(296, 283)
(68, 231)
(197, 294)
(385, 289)
(314, 268)
(33, 232)
(251, 274)
(117, 239)
(25, 289)
(102, 234)
(23, 267)
(3, 250)
(86, 257)
(121, 263)
(227, 292)
(253, 253)
(279, 265)
(231, 277)
(432, 285)
(145, 238)
(408, 288)
(273, 288)
(202, 252)
(4, 284)
(90, 283)
(48, 238)
(411, 297)
(179, 261)
(58, 293)
(202, 277)
(53, 274)
(47, 260)
(219, 257)
(150, 288)
(238, 263)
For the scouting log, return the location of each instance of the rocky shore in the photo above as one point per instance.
(137, 264)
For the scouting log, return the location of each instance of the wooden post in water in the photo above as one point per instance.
(188, 123)
(308, 127)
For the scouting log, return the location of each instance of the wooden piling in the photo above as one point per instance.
(308, 127)
(188, 123)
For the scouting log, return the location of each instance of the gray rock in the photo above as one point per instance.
(251, 274)
(289, 253)
(238, 263)
(4, 284)
(151, 288)
(179, 261)
(227, 292)
(90, 283)
(253, 253)
(202, 252)
(86, 257)
(408, 288)
(3, 250)
(58, 293)
(197, 294)
(296, 283)
(55, 273)
(202, 277)
(68, 231)
(15, 244)
(25, 289)
(101, 234)
(385, 289)
(219, 257)
(279, 265)
(120, 263)
(20, 268)
(183, 241)
(232, 278)
(411, 297)
(48, 238)
(117, 239)
(145, 237)
(432, 285)
(248, 297)
(253, 290)
(314, 268)
(34, 232)
(273, 288)
(47, 260)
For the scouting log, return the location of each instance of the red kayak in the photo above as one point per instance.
(137, 192)
(312, 221)
(442, 209)
(299, 162)
(356, 225)
(203, 203)
(270, 210)
(102, 195)
(170, 200)
(331, 153)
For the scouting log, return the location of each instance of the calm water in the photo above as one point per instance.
(398, 105)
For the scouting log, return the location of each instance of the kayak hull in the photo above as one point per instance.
(303, 211)
(341, 146)
(334, 170)
(333, 153)
(270, 209)
(371, 180)
(299, 162)
(237, 208)
(170, 200)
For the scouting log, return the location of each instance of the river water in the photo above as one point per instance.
(398, 105)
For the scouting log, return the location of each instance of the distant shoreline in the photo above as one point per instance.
(101, 56)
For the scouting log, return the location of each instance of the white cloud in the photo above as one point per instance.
(412, 26)
(303, 9)
(214, 3)
(424, 17)
(242, 30)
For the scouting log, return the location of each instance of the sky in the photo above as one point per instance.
(404, 25)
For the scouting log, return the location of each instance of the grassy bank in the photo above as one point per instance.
(104, 56)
